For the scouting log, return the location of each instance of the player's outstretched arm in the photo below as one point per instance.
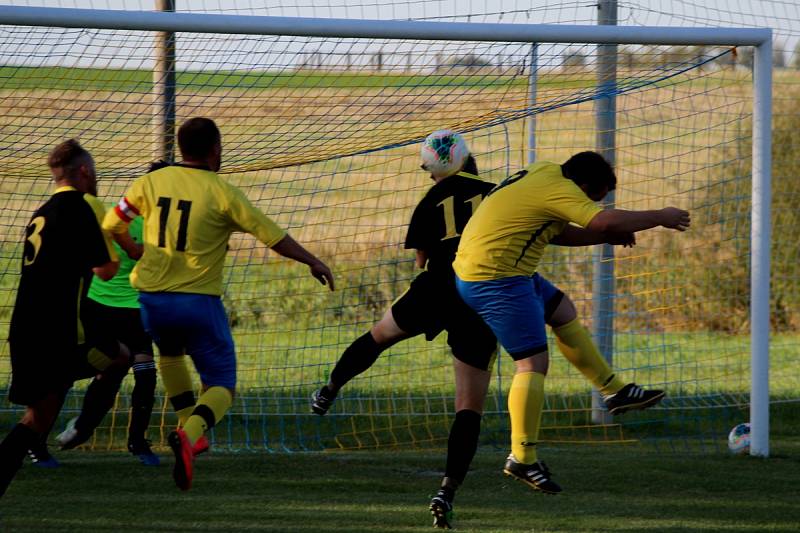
(288, 247)
(577, 236)
(616, 221)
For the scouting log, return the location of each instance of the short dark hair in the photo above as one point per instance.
(592, 169)
(68, 158)
(197, 137)
(470, 166)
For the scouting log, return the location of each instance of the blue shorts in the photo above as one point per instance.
(193, 324)
(515, 308)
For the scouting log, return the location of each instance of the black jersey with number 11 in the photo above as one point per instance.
(440, 217)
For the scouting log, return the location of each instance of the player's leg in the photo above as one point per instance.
(38, 419)
(462, 443)
(160, 322)
(102, 326)
(406, 318)
(171, 319)
(210, 343)
(356, 359)
(577, 346)
(514, 311)
(39, 453)
(142, 399)
(474, 348)
(130, 329)
(98, 400)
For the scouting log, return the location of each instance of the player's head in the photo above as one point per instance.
(443, 153)
(71, 164)
(592, 173)
(199, 141)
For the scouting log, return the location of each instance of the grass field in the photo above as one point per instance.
(619, 488)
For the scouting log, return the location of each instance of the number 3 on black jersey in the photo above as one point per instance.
(185, 207)
(34, 237)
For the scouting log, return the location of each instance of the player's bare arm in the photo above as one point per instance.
(128, 245)
(288, 247)
(421, 258)
(620, 221)
(577, 236)
(107, 270)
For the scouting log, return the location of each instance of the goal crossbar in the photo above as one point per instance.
(377, 29)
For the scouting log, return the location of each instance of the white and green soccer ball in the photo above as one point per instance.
(739, 439)
(444, 153)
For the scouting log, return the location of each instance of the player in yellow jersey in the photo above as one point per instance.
(189, 214)
(496, 264)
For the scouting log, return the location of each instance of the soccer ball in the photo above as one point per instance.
(739, 439)
(444, 153)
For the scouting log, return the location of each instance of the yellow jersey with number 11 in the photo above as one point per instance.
(189, 214)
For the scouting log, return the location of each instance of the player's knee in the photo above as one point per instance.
(40, 418)
(538, 363)
(470, 402)
(387, 332)
(124, 352)
(564, 313)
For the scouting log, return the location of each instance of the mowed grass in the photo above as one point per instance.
(617, 488)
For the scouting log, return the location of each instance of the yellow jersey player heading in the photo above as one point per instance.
(496, 275)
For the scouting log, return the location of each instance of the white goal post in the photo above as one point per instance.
(759, 38)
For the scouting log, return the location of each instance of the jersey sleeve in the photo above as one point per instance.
(98, 247)
(568, 202)
(129, 207)
(418, 235)
(245, 217)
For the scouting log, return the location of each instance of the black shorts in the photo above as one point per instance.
(43, 366)
(432, 305)
(123, 324)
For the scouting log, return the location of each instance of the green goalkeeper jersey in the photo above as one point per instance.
(117, 292)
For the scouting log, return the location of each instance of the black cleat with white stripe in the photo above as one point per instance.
(321, 401)
(442, 510)
(536, 475)
(632, 397)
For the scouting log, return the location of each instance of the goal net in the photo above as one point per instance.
(323, 135)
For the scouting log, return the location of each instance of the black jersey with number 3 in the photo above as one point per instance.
(63, 242)
(440, 217)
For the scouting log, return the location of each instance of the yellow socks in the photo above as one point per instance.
(525, 404)
(211, 407)
(577, 346)
(178, 384)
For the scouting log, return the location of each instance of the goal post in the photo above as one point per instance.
(759, 38)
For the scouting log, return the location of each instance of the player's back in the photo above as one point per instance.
(508, 234)
(63, 242)
(441, 216)
(189, 214)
